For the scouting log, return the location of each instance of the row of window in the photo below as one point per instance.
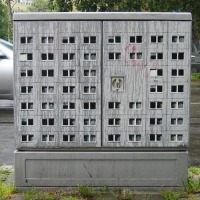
(111, 105)
(92, 89)
(92, 121)
(93, 56)
(159, 88)
(111, 39)
(92, 73)
(66, 73)
(111, 138)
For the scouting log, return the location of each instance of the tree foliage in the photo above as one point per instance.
(39, 6)
(3, 21)
(192, 6)
(61, 5)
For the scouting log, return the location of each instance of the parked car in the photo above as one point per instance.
(6, 70)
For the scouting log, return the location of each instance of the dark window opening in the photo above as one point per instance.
(65, 56)
(23, 40)
(93, 39)
(181, 56)
(174, 56)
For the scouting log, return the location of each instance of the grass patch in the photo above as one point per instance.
(194, 171)
(6, 190)
(193, 186)
(123, 194)
(195, 76)
(34, 194)
(87, 192)
(170, 195)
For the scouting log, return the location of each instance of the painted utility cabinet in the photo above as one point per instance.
(102, 81)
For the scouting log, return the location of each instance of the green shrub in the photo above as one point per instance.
(6, 190)
(195, 76)
(194, 170)
(170, 195)
(193, 186)
(86, 191)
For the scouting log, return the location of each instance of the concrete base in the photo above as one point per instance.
(115, 169)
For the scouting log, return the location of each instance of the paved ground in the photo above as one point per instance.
(7, 145)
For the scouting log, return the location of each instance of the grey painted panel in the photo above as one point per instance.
(97, 169)
(177, 27)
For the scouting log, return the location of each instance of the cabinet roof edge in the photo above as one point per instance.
(144, 16)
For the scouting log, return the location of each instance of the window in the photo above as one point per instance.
(27, 122)
(176, 138)
(89, 122)
(114, 138)
(68, 122)
(156, 88)
(176, 121)
(136, 39)
(135, 105)
(178, 39)
(68, 40)
(156, 72)
(26, 73)
(177, 104)
(177, 88)
(47, 89)
(156, 56)
(68, 73)
(89, 90)
(178, 56)
(89, 138)
(136, 56)
(114, 105)
(135, 122)
(27, 106)
(68, 56)
(68, 89)
(47, 40)
(47, 106)
(47, 56)
(156, 38)
(48, 122)
(114, 56)
(155, 137)
(114, 39)
(177, 72)
(69, 138)
(48, 138)
(26, 40)
(90, 56)
(114, 121)
(89, 105)
(26, 57)
(155, 105)
(27, 138)
(48, 73)
(26, 89)
(89, 40)
(155, 121)
(68, 106)
(134, 138)
(90, 73)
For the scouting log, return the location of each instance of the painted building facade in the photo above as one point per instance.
(102, 80)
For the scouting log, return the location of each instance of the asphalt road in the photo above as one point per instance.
(7, 142)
